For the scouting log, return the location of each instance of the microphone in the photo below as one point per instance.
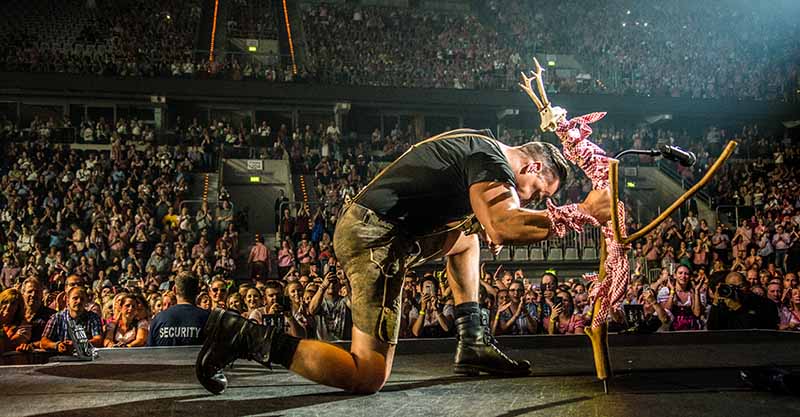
(681, 156)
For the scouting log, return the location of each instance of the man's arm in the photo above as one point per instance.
(497, 207)
(48, 344)
(316, 301)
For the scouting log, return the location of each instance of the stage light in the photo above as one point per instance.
(628, 12)
(630, 184)
(551, 63)
(252, 48)
(255, 179)
(624, 24)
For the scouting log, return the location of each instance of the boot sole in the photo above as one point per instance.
(475, 370)
(212, 325)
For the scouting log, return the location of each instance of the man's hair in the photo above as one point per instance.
(187, 286)
(745, 284)
(551, 158)
(432, 279)
(518, 282)
(84, 295)
(275, 285)
(555, 279)
(32, 281)
(72, 276)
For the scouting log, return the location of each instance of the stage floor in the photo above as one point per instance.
(683, 375)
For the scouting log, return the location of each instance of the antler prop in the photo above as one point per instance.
(551, 116)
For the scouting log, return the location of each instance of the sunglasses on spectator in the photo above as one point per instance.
(217, 289)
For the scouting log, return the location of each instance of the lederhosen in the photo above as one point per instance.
(375, 253)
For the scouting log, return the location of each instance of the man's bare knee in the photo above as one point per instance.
(373, 359)
(371, 375)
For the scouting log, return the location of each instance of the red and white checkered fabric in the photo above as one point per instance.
(574, 135)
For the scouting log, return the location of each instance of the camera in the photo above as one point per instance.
(557, 301)
(728, 291)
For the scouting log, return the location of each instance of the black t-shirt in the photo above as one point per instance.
(39, 321)
(429, 186)
(179, 325)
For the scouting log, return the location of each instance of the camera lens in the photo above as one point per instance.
(725, 291)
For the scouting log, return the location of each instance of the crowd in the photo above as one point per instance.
(681, 50)
(107, 221)
(253, 19)
(135, 39)
(104, 233)
(684, 50)
(371, 45)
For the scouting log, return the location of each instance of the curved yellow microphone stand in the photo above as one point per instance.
(599, 335)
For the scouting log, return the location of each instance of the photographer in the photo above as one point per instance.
(330, 310)
(733, 306)
(656, 318)
(563, 318)
(434, 319)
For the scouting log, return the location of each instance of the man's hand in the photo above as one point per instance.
(715, 297)
(598, 205)
(25, 347)
(426, 302)
(556, 311)
(493, 247)
(326, 282)
(275, 308)
(64, 347)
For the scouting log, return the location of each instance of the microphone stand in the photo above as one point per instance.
(647, 152)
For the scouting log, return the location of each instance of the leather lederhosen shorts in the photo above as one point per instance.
(375, 255)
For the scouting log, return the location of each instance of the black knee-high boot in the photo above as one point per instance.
(477, 350)
(229, 336)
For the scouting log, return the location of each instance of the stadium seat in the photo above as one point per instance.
(537, 254)
(486, 255)
(504, 255)
(571, 254)
(589, 254)
(555, 254)
(521, 253)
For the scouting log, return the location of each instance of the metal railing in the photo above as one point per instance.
(738, 212)
(669, 170)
